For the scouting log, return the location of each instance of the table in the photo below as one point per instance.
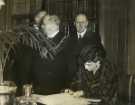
(63, 99)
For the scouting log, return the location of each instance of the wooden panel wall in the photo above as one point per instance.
(113, 30)
(117, 29)
(67, 9)
(16, 11)
(5, 16)
(131, 37)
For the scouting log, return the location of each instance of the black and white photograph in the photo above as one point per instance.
(67, 52)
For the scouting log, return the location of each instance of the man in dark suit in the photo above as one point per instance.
(84, 34)
(79, 39)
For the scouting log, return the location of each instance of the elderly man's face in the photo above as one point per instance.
(81, 23)
(50, 28)
(2, 3)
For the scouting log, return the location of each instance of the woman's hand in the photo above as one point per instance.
(79, 93)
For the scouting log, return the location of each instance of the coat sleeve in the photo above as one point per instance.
(108, 83)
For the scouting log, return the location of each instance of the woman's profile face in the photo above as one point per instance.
(92, 66)
(39, 17)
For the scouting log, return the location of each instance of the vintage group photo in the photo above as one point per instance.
(67, 52)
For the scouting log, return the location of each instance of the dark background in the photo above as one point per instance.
(114, 19)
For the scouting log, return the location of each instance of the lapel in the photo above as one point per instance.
(87, 34)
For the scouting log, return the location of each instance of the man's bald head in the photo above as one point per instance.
(2, 3)
(81, 22)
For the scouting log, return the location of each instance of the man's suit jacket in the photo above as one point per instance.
(76, 45)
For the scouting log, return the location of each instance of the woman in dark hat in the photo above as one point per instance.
(36, 19)
(96, 76)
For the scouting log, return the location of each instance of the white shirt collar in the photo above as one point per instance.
(53, 34)
(36, 26)
(82, 33)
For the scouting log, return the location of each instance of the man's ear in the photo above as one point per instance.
(74, 23)
(87, 23)
(58, 28)
(98, 64)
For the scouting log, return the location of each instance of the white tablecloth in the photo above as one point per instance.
(63, 99)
